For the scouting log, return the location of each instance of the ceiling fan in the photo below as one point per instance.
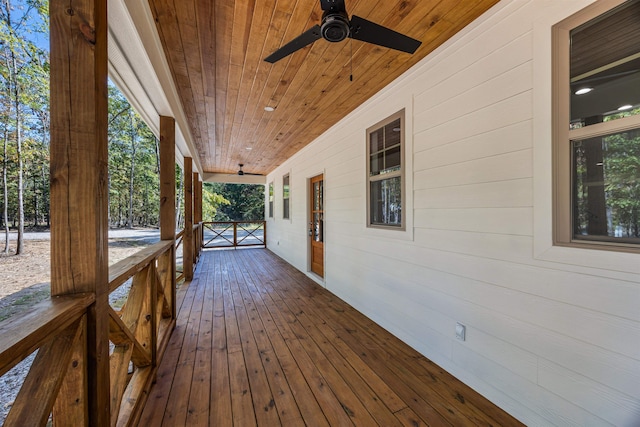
(241, 172)
(336, 26)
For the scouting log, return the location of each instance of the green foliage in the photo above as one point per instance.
(24, 113)
(246, 202)
(134, 183)
(211, 202)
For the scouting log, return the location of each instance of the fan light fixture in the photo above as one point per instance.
(336, 26)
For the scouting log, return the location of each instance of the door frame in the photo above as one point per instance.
(311, 274)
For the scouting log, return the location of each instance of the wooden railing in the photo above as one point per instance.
(138, 331)
(56, 381)
(197, 249)
(198, 236)
(221, 234)
(180, 266)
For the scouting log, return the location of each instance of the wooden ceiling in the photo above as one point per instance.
(216, 48)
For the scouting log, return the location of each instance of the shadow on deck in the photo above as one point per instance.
(258, 343)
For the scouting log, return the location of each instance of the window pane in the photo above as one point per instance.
(285, 187)
(377, 164)
(271, 200)
(392, 134)
(606, 187)
(386, 206)
(605, 68)
(392, 159)
(285, 209)
(376, 141)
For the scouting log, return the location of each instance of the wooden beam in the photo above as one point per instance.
(197, 198)
(167, 178)
(187, 246)
(79, 180)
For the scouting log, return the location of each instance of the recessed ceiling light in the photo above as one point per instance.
(584, 90)
(249, 148)
(625, 107)
(268, 108)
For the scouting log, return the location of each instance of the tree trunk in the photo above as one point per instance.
(16, 94)
(5, 194)
(15, 89)
(132, 171)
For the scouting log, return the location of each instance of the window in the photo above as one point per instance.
(385, 173)
(597, 127)
(285, 196)
(271, 200)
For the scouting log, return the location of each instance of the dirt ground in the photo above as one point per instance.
(24, 279)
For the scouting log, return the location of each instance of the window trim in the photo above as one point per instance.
(403, 225)
(286, 213)
(562, 227)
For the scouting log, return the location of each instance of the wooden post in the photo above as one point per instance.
(187, 247)
(168, 195)
(167, 178)
(79, 204)
(197, 198)
(197, 213)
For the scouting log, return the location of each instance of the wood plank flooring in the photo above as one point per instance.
(259, 343)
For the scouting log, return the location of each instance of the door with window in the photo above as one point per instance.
(316, 224)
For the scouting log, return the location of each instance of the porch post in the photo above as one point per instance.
(167, 178)
(197, 198)
(79, 181)
(197, 214)
(168, 195)
(187, 247)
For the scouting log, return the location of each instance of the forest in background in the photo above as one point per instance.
(133, 148)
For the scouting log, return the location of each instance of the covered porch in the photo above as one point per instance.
(257, 342)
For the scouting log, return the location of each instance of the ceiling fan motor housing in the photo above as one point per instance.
(335, 26)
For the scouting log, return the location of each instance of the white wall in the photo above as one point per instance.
(553, 334)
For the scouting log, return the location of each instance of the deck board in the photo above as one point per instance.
(257, 343)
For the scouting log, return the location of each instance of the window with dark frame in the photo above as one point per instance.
(285, 196)
(597, 127)
(385, 173)
(271, 200)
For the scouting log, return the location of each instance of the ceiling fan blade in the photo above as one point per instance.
(298, 43)
(333, 5)
(370, 32)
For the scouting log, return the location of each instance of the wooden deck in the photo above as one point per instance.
(258, 343)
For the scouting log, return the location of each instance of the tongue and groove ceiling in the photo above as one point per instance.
(215, 50)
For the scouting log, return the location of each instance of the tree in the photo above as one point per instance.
(246, 202)
(133, 166)
(22, 66)
(211, 202)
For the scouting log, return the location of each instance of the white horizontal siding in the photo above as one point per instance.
(553, 339)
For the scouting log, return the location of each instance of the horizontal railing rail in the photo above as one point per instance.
(225, 234)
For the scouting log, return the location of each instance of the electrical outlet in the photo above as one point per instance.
(460, 331)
